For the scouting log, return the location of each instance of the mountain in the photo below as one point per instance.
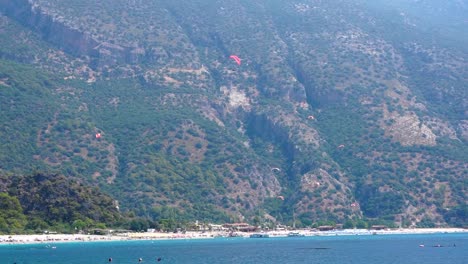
(38, 202)
(338, 111)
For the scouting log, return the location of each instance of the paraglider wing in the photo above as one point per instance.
(98, 135)
(236, 59)
(275, 169)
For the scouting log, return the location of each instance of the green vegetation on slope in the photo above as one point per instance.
(26, 104)
(40, 202)
(191, 135)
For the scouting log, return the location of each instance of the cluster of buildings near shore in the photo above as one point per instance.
(214, 231)
(235, 229)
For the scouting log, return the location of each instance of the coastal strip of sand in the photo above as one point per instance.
(61, 238)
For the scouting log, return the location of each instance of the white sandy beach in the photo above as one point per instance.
(61, 238)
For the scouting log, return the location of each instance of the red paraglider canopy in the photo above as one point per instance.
(98, 135)
(236, 59)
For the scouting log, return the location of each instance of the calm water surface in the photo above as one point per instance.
(380, 249)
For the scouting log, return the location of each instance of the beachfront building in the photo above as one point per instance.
(241, 227)
(281, 227)
(326, 228)
(214, 227)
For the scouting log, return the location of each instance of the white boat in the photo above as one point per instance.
(295, 234)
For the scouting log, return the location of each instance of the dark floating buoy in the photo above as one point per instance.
(159, 259)
(110, 259)
(140, 260)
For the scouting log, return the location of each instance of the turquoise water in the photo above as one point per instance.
(380, 249)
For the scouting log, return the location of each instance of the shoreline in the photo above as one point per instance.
(78, 238)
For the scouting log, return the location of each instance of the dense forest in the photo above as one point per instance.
(337, 112)
(52, 202)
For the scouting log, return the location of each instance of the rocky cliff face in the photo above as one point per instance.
(337, 107)
(51, 28)
(57, 30)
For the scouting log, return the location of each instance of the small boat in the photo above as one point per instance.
(259, 235)
(295, 234)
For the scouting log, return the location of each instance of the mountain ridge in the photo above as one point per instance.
(325, 117)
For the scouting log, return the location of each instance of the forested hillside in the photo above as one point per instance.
(41, 202)
(334, 112)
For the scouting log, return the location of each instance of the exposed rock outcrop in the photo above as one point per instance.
(409, 130)
(55, 30)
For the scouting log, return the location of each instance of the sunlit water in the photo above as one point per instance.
(379, 249)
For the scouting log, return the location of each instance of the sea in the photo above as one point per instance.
(355, 249)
